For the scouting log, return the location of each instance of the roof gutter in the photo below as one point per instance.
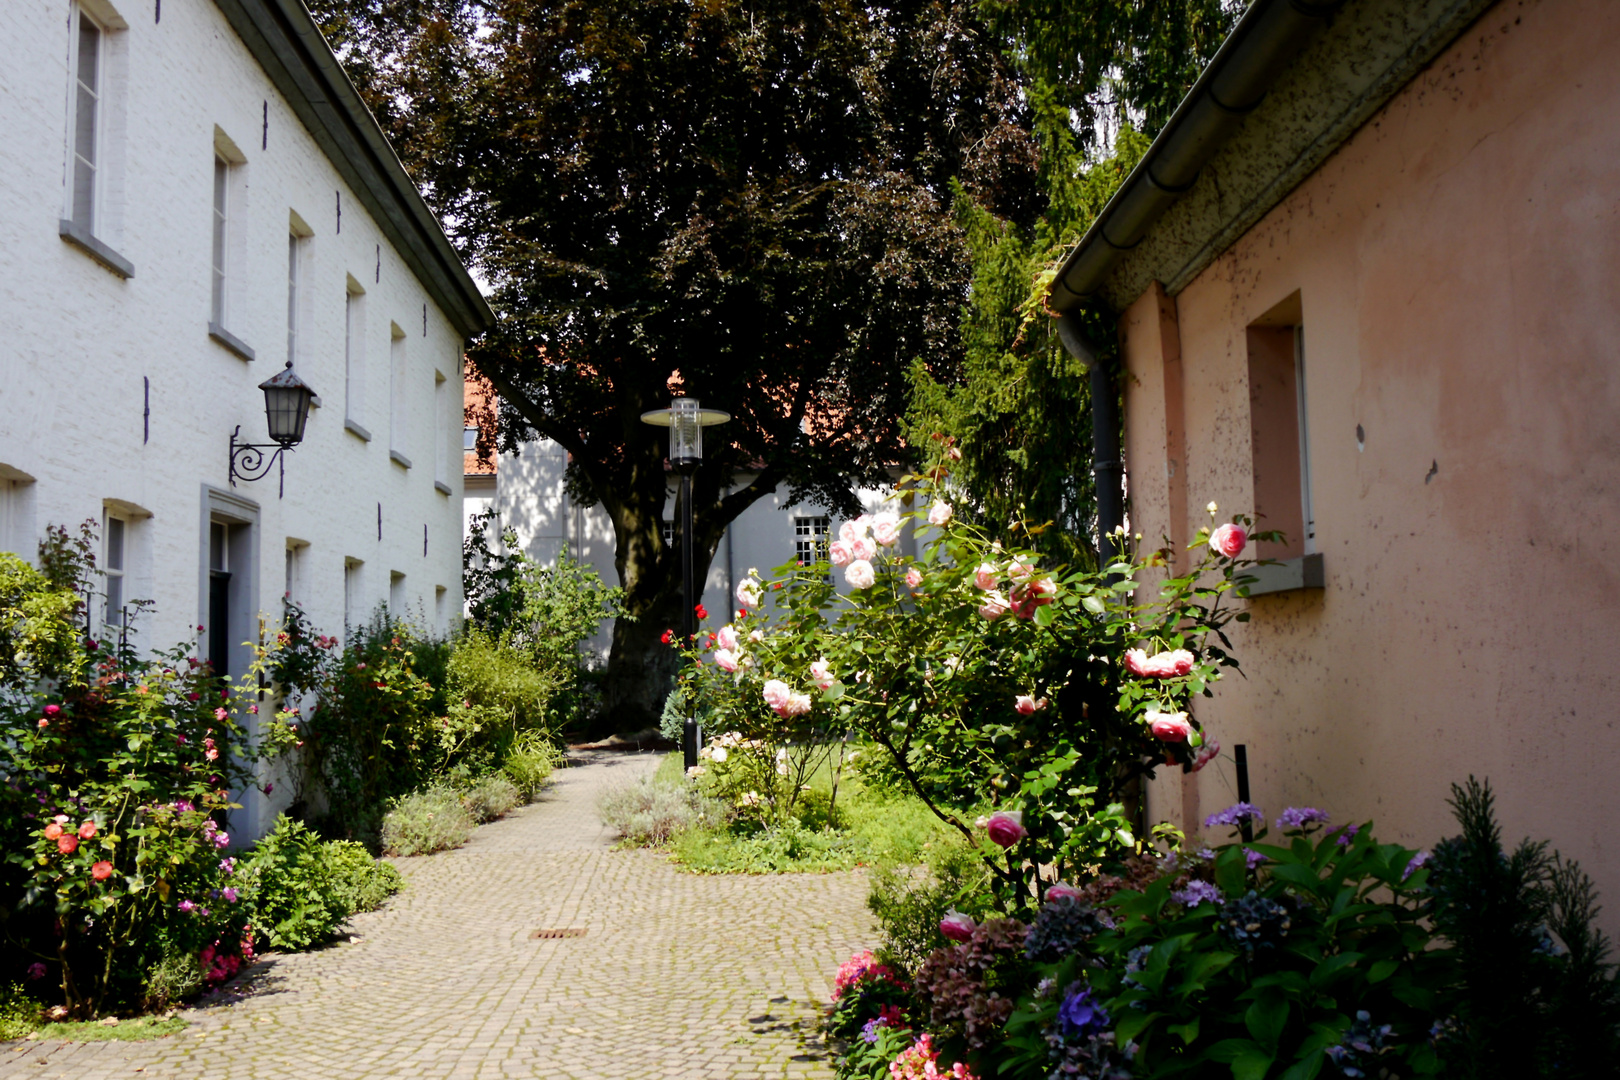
(1269, 35)
(289, 46)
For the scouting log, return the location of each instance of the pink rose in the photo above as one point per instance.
(53, 830)
(44, 723)
(821, 674)
(1019, 570)
(52, 710)
(886, 528)
(1229, 540)
(1169, 726)
(1006, 827)
(994, 606)
(725, 659)
(67, 845)
(839, 552)
(102, 870)
(1163, 665)
(957, 926)
(726, 637)
(1206, 754)
(1062, 889)
(939, 513)
(1029, 706)
(862, 547)
(220, 714)
(860, 575)
(776, 693)
(985, 577)
(87, 831)
(913, 578)
(748, 592)
(797, 705)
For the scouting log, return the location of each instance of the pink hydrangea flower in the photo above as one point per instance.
(1006, 827)
(860, 574)
(913, 578)
(985, 577)
(1229, 540)
(957, 926)
(1063, 889)
(939, 513)
(886, 528)
(994, 605)
(1169, 726)
(839, 552)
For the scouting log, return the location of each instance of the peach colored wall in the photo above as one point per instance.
(1459, 269)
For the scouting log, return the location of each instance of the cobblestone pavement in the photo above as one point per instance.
(676, 976)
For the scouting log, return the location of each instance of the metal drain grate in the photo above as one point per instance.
(559, 932)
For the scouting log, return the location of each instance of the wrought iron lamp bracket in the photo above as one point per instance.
(248, 461)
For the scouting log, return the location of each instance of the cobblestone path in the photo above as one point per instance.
(677, 975)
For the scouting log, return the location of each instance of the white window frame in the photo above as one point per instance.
(88, 217)
(354, 357)
(295, 258)
(441, 420)
(94, 223)
(469, 439)
(115, 570)
(353, 594)
(398, 399)
(812, 535)
(1307, 514)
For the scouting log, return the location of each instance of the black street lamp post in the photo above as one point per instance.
(286, 410)
(686, 422)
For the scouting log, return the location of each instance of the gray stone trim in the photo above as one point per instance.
(1305, 572)
(230, 341)
(284, 39)
(399, 459)
(355, 429)
(80, 237)
(443, 489)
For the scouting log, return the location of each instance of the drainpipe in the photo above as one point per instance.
(731, 572)
(1106, 467)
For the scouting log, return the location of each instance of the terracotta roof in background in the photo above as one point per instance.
(480, 406)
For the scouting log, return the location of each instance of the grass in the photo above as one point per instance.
(137, 1029)
(873, 826)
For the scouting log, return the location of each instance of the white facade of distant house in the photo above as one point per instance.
(178, 219)
(527, 490)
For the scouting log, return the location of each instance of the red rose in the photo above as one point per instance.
(102, 870)
(67, 845)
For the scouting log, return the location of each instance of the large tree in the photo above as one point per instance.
(747, 202)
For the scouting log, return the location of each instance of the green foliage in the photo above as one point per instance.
(1535, 994)
(360, 882)
(491, 796)
(1007, 693)
(426, 821)
(651, 812)
(115, 767)
(19, 1013)
(175, 976)
(301, 888)
(909, 900)
(38, 635)
(530, 762)
(135, 1029)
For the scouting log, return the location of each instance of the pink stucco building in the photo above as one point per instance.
(1367, 284)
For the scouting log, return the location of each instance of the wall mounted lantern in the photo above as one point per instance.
(686, 422)
(286, 409)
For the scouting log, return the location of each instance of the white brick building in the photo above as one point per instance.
(191, 195)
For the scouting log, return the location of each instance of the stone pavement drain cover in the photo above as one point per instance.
(566, 931)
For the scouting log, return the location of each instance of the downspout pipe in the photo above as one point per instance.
(1107, 470)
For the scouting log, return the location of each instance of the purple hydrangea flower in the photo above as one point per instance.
(1197, 892)
(230, 894)
(1347, 835)
(1297, 817)
(1235, 815)
(227, 866)
(1420, 860)
(870, 1031)
(1081, 1014)
(1252, 857)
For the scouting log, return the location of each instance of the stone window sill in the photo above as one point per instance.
(356, 430)
(230, 341)
(442, 488)
(1285, 575)
(399, 459)
(80, 237)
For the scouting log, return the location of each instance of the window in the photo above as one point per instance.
(354, 359)
(219, 596)
(810, 538)
(469, 439)
(1279, 431)
(353, 594)
(441, 420)
(397, 397)
(293, 579)
(17, 512)
(396, 594)
(294, 250)
(441, 614)
(87, 109)
(112, 567)
(222, 185)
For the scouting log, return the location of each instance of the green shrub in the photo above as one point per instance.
(289, 885)
(426, 821)
(909, 900)
(176, 976)
(483, 671)
(530, 762)
(649, 812)
(360, 882)
(491, 797)
(19, 1013)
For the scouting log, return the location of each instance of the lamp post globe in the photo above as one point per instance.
(286, 405)
(686, 420)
